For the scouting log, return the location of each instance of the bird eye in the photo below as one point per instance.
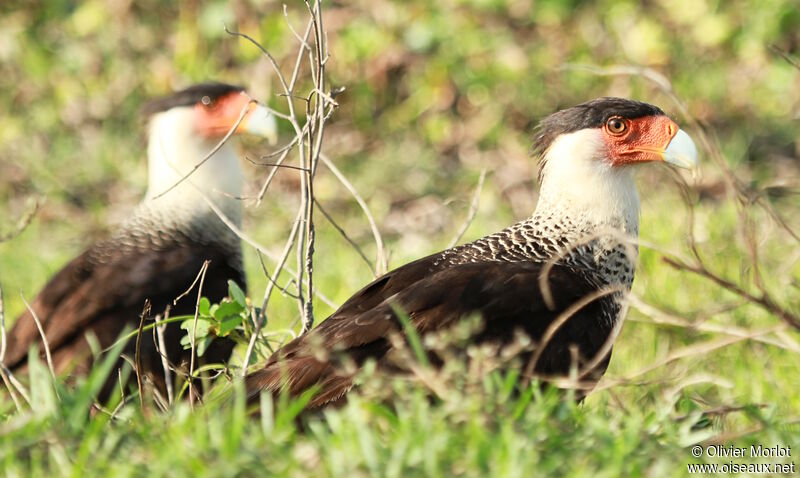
(206, 100)
(616, 125)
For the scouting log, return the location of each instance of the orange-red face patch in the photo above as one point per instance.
(638, 140)
(215, 119)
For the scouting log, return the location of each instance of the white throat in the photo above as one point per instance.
(174, 149)
(579, 183)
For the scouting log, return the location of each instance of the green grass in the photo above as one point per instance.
(425, 110)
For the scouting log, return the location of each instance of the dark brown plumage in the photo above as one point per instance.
(103, 295)
(434, 298)
(580, 242)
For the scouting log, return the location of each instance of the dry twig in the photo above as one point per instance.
(473, 210)
(137, 357)
(381, 262)
(23, 222)
(162, 351)
(193, 335)
(309, 133)
(45, 342)
(8, 379)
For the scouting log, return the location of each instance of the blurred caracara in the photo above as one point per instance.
(157, 253)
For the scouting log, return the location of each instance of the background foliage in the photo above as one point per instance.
(435, 93)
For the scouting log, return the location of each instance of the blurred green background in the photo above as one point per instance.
(435, 93)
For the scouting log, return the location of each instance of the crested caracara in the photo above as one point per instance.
(559, 276)
(157, 253)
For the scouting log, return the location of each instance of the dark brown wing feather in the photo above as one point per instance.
(103, 296)
(506, 295)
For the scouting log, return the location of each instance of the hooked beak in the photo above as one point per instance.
(259, 121)
(681, 151)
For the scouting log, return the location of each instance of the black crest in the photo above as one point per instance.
(592, 114)
(190, 96)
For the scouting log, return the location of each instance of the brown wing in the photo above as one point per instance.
(105, 296)
(506, 295)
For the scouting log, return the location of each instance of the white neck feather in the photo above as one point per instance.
(174, 149)
(579, 183)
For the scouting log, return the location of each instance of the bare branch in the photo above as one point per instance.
(250, 241)
(271, 176)
(785, 55)
(193, 336)
(562, 319)
(345, 236)
(3, 342)
(137, 357)
(22, 223)
(45, 342)
(764, 300)
(8, 378)
(162, 345)
(381, 263)
(266, 53)
(13, 384)
(268, 292)
(473, 210)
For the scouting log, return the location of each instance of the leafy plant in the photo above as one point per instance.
(231, 318)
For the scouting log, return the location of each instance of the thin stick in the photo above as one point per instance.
(10, 384)
(47, 354)
(3, 342)
(271, 176)
(265, 52)
(562, 319)
(779, 52)
(693, 350)
(277, 165)
(160, 329)
(764, 300)
(268, 292)
(23, 222)
(663, 318)
(192, 391)
(473, 210)
(343, 233)
(381, 264)
(250, 241)
(285, 289)
(137, 356)
(294, 32)
(4, 372)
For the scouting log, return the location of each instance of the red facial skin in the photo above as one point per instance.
(216, 119)
(641, 140)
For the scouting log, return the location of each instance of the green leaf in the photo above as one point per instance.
(236, 293)
(186, 342)
(203, 325)
(203, 307)
(227, 325)
(227, 309)
(203, 344)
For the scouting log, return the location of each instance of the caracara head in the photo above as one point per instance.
(588, 154)
(211, 110)
(184, 136)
